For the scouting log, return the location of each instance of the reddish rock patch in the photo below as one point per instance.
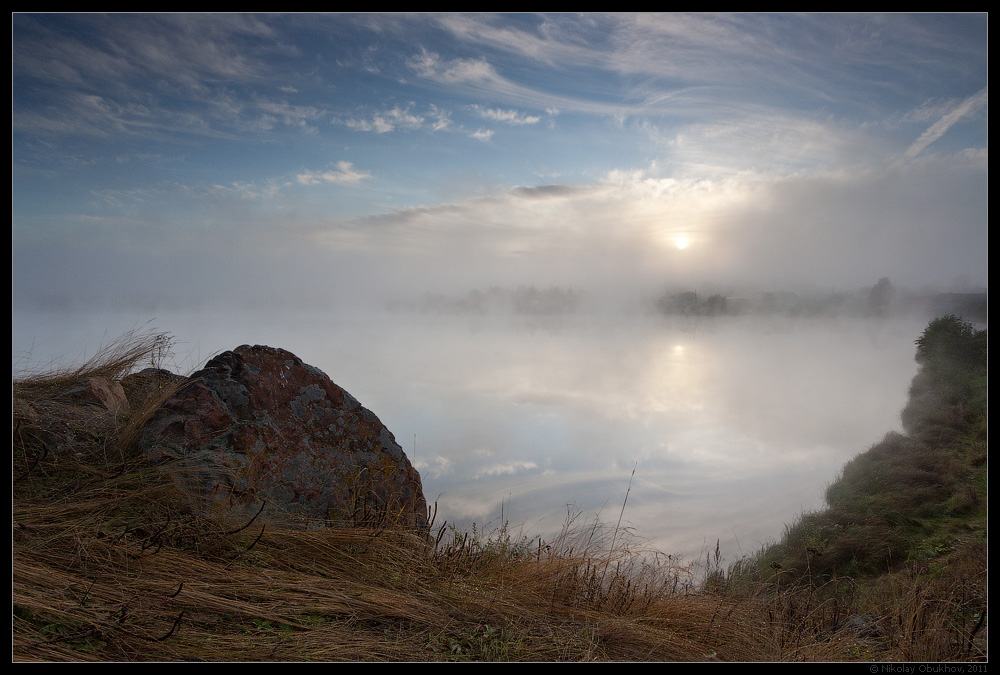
(258, 426)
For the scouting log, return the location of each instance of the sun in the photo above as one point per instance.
(682, 242)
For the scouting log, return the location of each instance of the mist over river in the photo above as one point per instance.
(733, 425)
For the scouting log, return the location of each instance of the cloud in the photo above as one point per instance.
(250, 190)
(505, 469)
(939, 128)
(543, 40)
(838, 228)
(441, 118)
(511, 117)
(292, 115)
(457, 71)
(345, 174)
(435, 467)
(694, 64)
(547, 191)
(397, 118)
(479, 78)
(155, 74)
(482, 134)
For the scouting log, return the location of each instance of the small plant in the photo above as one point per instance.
(483, 643)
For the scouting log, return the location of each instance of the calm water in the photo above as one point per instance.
(732, 425)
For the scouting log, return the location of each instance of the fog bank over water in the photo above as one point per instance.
(733, 424)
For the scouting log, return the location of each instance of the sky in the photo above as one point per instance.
(337, 158)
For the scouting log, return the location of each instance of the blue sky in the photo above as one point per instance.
(175, 158)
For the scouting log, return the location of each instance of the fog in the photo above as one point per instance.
(921, 227)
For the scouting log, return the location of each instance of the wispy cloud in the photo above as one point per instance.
(250, 190)
(194, 61)
(273, 188)
(440, 119)
(188, 50)
(455, 71)
(299, 116)
(694, 63)
(939, 128)
(764, 139)
(479, 78)
(345, 174)
(401, 119)
(505, 469)
(512, 117)
(540, 39)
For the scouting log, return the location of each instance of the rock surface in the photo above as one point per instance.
(257, 426)
(68, 423)
(99, 391)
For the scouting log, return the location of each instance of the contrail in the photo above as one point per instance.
(938, 129)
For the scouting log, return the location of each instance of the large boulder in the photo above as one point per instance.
(258, 427)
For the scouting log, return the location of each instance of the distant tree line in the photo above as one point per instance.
(881, 300)
(687, 303)
(528, 300)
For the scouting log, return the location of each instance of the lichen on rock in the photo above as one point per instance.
(258, 427)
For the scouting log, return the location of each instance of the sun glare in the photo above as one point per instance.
(682, 242)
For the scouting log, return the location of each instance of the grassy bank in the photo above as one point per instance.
(904, 535)
(110, 563)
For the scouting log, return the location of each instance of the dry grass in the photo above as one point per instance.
(113, 362)
(111, 564)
